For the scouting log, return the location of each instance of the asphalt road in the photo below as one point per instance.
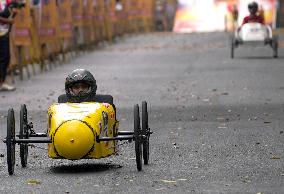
(218, 123)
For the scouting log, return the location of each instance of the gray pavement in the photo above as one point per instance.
(217, 122)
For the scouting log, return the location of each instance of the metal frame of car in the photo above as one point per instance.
(27, 135)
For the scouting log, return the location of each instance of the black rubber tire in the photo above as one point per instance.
(274, 45)
(10, 141)
(275, 49)
(232, 48)
(24, 134)
(137, 138)
(145, 132)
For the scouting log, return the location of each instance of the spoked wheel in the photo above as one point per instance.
(10, 141)
(145, 132)
(137, 138)
(24, 134)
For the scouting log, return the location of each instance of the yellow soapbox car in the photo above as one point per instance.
(79, 131)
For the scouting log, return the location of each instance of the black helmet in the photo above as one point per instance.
(253, 6)
(80, 76)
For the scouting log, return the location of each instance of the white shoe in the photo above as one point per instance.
(6, 87)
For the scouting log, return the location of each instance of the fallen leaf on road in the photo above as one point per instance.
(34, 182)
(160, 189)
(247, 181)
(275, 158)
(168, 181)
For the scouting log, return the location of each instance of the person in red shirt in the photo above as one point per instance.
(253, 17)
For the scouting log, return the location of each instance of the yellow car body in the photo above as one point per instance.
(75, 127)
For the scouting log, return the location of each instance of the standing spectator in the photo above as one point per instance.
(261, 12)
(171, 6)
(6, 21)
(235, 14)
(160, 15)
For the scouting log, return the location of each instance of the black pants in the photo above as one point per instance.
(4, 57)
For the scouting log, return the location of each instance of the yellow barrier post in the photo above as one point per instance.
(109, 18)
(65, 26)
(89, 35)
(127, 16)
(119, 18)
(78, 22)
(131, 16)
(135, 16)
(123, 17)
(48, 30)
(35, 49)
(21, 40)
(150, 7)
(101, 29)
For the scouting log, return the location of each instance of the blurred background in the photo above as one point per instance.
(48, 31)
(219, 15)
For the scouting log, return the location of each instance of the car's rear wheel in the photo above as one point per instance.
(137, 138)
(24, 134)
(145, 132)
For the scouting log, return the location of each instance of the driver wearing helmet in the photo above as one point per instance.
(80, 86)
(253, 17)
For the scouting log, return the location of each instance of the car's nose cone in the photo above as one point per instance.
(74, 139)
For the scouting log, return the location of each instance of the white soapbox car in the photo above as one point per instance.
(254, 34)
